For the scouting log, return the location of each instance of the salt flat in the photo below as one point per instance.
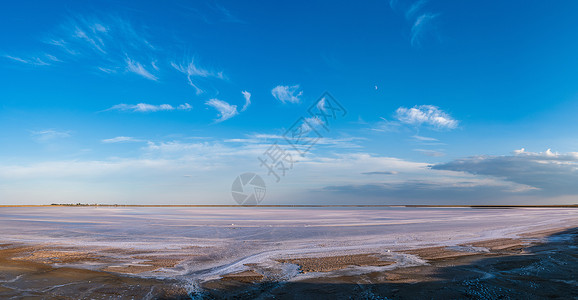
(199, 245)
(234, 236)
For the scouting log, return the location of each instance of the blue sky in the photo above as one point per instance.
(136, 102)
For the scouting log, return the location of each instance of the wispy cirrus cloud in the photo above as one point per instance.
(261, 138)
(193, 72)
(226, 14)
(226, 110)
(144, 107)
(424, 138)
(95, 41)
(137, 68)
(49, 134)
(120, 139)
(109, 44)
(423, 25)
(385, 125)
(247, 97)
(114, 45)
(421, 20)
(35, 61)
(415, 8)
(285, 93)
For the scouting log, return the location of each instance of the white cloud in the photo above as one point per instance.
(426, 114)
(185, 106)
(420, 27)
(49, 134)
(145, 107)
(214, 165)
(107, 70)
(414, 8)
(137, 68)
(192, 70)
(35, 61)
(120, 139)
(52, 58)
(316, 122)
(548, 155)
(425, 138)
(226, 14)
(421, 20)
(95, 42)
(521, 151)
(386, 125)
(290, 94)
(142, 107)
(226, 110)
(260, 138)
(63, 45)
(247, 96)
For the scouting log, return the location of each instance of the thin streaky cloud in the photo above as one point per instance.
(49, 134)
(35, 61)
(120, 139)
(192, 70)
(154, 65)
(111, 44)
(226, 110)
(247, 97)
(95, 43)
(144, 107)
(421, 26)
(137, 68)
(52, 57)
(62, 45)
(107, 70)
(228, 16)
(415, 8)
(386, 125)
(425, 138)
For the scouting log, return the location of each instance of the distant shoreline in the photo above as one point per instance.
(301, 206)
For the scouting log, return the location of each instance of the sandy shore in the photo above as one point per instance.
(540, 265)
(31, 276)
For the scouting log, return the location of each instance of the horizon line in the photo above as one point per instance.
(295, 205)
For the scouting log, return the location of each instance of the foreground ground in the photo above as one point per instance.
(347, 254)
